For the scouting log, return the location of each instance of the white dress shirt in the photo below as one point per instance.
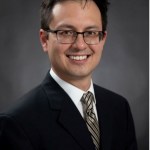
(74, 93)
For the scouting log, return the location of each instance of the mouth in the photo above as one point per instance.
(78, 58)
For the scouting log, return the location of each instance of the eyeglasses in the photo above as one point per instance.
(70, 36)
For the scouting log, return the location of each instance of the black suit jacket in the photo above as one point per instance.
(47, 119)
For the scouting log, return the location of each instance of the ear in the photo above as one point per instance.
(44, 40)
(104, 38)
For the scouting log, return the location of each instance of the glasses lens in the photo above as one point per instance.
(93, 37)
(66, 36)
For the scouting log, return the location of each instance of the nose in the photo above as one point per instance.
(80, 43)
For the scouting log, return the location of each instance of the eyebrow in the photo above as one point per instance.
(66, 26)
(74, 28)
(92, 27)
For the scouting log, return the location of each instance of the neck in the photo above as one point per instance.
(82, 83)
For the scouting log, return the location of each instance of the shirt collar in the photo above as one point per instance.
(74, 93)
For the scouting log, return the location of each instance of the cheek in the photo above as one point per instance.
(97, 58)
(56, 52)
(97, 49)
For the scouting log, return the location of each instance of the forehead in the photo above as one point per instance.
(76, 14)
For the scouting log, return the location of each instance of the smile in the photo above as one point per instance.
(78, 57)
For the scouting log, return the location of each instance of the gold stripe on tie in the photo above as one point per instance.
(90, 118)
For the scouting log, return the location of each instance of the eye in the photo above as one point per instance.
(66, 33)
(91, 33)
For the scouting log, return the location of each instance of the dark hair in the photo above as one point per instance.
(47, 6)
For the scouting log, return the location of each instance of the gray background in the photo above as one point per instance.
(123, 68)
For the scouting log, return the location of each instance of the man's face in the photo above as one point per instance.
(74, 62)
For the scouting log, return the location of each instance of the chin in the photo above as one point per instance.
(80, 75)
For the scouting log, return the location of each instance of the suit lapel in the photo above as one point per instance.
(69, 117)
(73, 122)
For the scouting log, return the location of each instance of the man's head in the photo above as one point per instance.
(47, 6)
(73, 37)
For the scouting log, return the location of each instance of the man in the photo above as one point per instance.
(67, 111)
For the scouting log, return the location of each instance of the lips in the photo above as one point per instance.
(78, 57)
(84, 57)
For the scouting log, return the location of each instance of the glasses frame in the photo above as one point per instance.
(101, 36)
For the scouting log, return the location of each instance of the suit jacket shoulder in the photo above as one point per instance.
(46, 118)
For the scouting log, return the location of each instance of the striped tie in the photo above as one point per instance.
(90, 118)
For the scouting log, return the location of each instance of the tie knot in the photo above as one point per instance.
(87, 98)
